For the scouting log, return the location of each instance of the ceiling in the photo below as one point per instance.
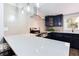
(59, 8)
(56, 8)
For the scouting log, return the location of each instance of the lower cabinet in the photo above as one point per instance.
(73, 39)
(75, 44)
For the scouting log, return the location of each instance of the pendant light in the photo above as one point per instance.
(28, 7)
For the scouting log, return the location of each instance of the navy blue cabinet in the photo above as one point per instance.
(72, 38)
(55, 21)
(49, 21)
(58, 20)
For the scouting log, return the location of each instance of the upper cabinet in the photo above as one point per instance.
(55, 21)
(58, 20)
(49, 21)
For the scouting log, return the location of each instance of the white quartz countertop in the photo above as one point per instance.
(65, 32)
(24, 45)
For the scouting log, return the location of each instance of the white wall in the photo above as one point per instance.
(21, 23)
(65, 28)
(13, 20)
(1, 21)
(38, 22)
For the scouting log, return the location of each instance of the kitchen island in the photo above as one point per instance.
(26, 45)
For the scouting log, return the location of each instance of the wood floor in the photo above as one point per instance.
(73, 52)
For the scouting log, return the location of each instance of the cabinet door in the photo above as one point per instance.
(49, 21)
(58, 20)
